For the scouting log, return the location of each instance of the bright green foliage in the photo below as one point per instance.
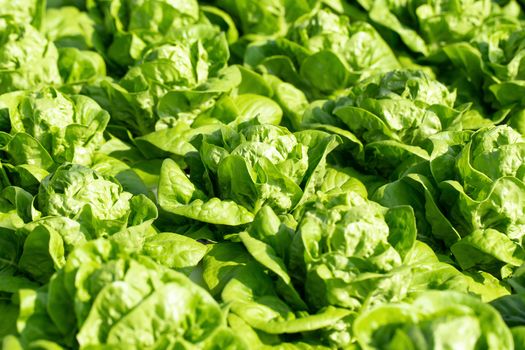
(272, 174)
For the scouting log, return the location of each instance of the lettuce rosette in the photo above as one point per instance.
(426, 28)
(236, 173)
(489, 172)
(27, 59)
(323, 53)
(100, 294)
(386, 120)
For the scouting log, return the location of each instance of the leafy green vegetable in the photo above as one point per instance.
(170, 308)
(323, 53)
(273, 174)
(386, 119)
(64, 128)
(28, 60)
(426, 322)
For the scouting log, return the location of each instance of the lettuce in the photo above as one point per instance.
(28, 59)
(274, 174)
